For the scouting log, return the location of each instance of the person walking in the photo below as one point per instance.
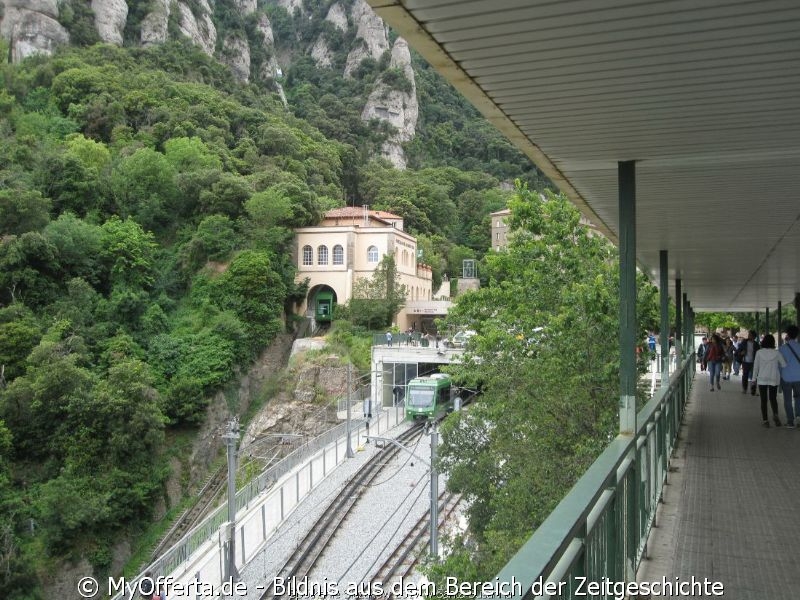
(714, 355)
(702, 349)
(790, 375)
(766, 373)
(747, 356)
(736, 364)
(389, 339)
(727, 360)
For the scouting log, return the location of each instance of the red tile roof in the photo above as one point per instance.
(358, 212)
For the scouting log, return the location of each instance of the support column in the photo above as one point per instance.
(626, 172)
(688, 340)
(766, 321)
(797, 308)
(678, 341)
(663, 267)
(780, 323)
(758, 323)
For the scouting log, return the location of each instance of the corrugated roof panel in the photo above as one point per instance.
(705, 96)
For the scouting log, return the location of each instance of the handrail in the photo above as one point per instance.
(615, 500)
(208, 528)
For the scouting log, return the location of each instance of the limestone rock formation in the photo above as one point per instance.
(236, 54)
(198, 28)
(246, 7)
(371, 33)
(291, 5)
(154, 25)
(109, 18)
(32, 27)
(398, 107)
(320, 52)
(265, 28)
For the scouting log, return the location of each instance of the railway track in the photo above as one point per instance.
(312, 546)
(208, 498)
(405, 556)
(205, 502)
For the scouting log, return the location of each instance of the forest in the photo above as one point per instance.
(146, 214)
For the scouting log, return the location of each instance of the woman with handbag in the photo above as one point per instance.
(715, 353)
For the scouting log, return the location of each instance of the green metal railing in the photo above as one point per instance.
(598, 532)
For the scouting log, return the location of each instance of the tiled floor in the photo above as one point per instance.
(731, 509)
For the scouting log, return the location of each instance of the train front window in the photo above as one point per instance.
(420, 397)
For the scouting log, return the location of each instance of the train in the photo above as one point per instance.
(429, 396)
(325, 304)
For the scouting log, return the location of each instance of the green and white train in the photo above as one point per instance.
(430, 396)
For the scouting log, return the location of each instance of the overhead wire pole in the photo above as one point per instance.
(349, 450)
(434, 495)
(230, 437)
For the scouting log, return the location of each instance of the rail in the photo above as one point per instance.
(600, 528)
(404, 339)
(208, 529)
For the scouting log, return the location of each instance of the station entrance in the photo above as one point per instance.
(394, 367)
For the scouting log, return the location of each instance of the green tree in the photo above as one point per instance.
(214, 239)
(190, 154)
(22, 210)
(144, 188)
(128, 252)
(77, 245)
(19, 333)
(549, 318)
(377, 299)
(255, 293)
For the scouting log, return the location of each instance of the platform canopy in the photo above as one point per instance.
(705, 96)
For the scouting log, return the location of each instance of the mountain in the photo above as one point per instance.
(240, 35)
(333, 63)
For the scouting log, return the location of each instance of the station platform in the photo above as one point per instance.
(730, 510)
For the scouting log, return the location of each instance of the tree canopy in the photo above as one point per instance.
(547, 359)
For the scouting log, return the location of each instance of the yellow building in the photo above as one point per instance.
(348, 245)
(500, 229)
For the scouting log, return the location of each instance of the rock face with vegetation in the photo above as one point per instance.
(110, 17)
(394, 100)
(153, 28)
(195, 23)
(32, 27)
(41, 26)
(372, 37)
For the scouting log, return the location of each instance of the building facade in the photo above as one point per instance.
(349, 244)
(500, 229)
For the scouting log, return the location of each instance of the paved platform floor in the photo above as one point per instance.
(731, 508)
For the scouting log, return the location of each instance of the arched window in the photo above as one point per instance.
(308, 256)
(338, 255)
(372, 254)
(322, 255)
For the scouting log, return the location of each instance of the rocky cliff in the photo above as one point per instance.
(110, 17)
(396, 103)
(35, 26)
(372, 38)
(31, 27)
